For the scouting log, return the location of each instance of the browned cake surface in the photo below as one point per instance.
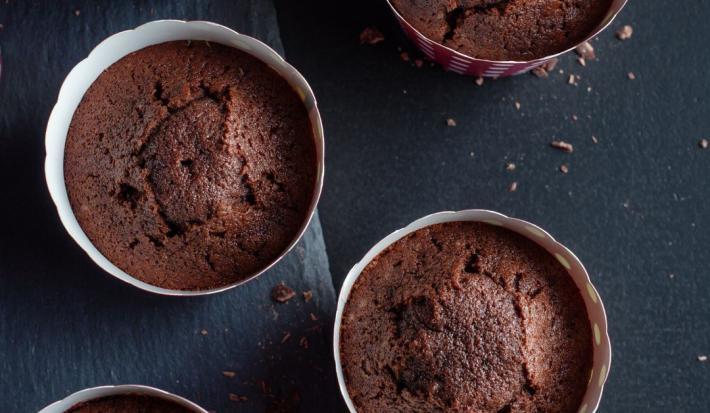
(505, 29)
(128, 404)
(190, 166)
(465, 317)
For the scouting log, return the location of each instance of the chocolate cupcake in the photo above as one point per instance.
(465, 316)
(129, 404)
(191, 165)
(505, 30)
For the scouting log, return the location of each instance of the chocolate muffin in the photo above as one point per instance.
(190, 165)
(505, 29)
(129, 404)
(465, 317)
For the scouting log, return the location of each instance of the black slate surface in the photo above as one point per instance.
(65, 325)
(634, 207)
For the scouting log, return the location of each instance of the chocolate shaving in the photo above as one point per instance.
(281, 293)
(563, 146)
(371, 35)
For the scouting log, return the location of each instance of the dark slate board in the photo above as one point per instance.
(392, 159)
(65, 325)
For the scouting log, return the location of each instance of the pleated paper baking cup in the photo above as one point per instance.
(593, 303)
(96, 393)
(460, 63)
(109, 52)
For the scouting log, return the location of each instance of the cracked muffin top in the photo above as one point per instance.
(128, 404)
(505, 29)
(190, 165)
(465, 317)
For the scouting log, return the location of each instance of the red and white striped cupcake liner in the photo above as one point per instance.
(460, 63)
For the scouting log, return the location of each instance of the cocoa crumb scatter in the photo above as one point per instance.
(479, 81)
(631, 76)
(307, 296)
(703, 143)
(281, 293)
(510, 166)
(563, 146)
(702, 358)
(513, 187)
(450, 122)
(625, 32)
(371, 35)
(229, 374)
(404, 56)
(586, 51)
(564, 168)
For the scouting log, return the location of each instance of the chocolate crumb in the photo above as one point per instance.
(571, 80)
(281, 293)
(450, 122)
(308, 296)
(517, 105)
(510, 166)
(285, 337)
(418, 63)
(625, 32)
(702, 358)
(586, 51)
(77, 12)
(371, 35)
(564, 168)
(513, 187)
(229, 374)
(313, 317)
(594, 139)
(703, 143)
(204, 332)
(581, 61)
(575, 118)
(563, 146)
(479, 81)
(404, 56)
(631, 76)
(237, 398)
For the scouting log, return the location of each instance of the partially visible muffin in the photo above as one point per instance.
(465, 317)
(505, 29)
(133, 403)
(190, 165)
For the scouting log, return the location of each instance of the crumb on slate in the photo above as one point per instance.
(510, 166)
(404, 56)
(479, 81)
(594, 139)
(450, 122)
(703, 143)
(281, 293)
(702, 358)
(563, 146)
(544, 69)
(581, 61)
(307, 296)
(285, 337)
(77, 12)
(229, 374)
(303, 342)
(517, 105)
(203, 332)
(371, 35)
(586, 51)
(564, 168)
(625, 32)
(313, 317)
(513, 187)
(631, 76)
